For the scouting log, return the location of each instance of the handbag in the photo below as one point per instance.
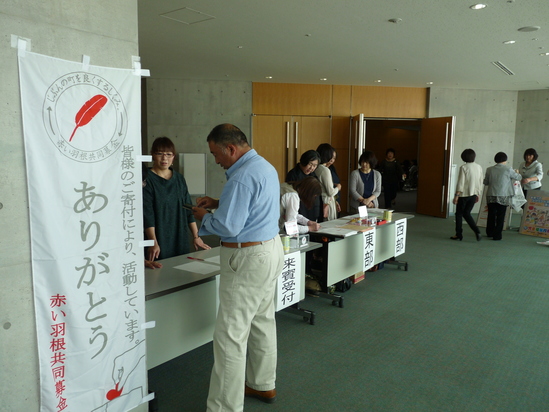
(518, 198)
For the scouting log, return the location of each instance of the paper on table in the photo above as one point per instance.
(214, 259)
(196, 267)
(336, 231)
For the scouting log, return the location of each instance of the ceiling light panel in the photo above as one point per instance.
(188, 16)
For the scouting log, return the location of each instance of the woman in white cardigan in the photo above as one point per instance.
(468, 192)
(365, 183)
(329, 190)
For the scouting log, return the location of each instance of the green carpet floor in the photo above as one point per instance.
(464, 329)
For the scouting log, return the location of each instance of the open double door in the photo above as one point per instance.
(435, 153)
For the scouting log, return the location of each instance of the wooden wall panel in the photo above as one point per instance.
(400, 102)
(341, 104)
(340, 141)
(312, 132)
(294, 99)
(341, 127)
(270, 135)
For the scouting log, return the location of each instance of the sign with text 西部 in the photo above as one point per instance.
(400, 236)
(82, 137)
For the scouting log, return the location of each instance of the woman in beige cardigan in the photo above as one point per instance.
(329, 190)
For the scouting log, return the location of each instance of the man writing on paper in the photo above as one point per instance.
(246, 220)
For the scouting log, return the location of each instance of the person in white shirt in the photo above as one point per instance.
(468, 192)
(291, 193)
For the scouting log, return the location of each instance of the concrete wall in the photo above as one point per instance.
(106, 30)
(533, 128)
(186, 111)
(485, 121)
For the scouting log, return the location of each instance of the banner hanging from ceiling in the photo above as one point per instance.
(82, 132)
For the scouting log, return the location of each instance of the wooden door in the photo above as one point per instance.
(272, 139)
(310, 131)
(283, 139)
(436, 145)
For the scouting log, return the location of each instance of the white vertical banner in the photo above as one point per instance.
(82, 132)
(369, 237)
(400, 236)
(289, 282)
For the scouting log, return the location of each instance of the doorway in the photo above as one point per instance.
(423, 146)
(403, 136)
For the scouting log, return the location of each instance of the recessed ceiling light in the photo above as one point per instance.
(529, 28)
(429, 82)
(378, 81)
(323, 79)
(509, 42)
(240, 47)
(478, 6)
(268, 77)
(544, 54)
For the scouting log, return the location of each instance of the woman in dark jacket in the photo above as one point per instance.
(391, 176)
(307, 165)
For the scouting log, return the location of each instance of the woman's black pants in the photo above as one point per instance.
(463, 211)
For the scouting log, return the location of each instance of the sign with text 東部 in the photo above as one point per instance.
(369, 237)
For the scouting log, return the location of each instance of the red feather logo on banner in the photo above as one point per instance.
(88, 111)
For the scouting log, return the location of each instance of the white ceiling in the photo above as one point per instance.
(349, 42)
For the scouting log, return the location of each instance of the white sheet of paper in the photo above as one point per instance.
(196, 267)
(363, 211)
(214, 259)
(336, 231)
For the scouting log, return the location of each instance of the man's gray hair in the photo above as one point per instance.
(227, 133)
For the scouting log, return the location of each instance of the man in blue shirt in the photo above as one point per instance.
(246, 220)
